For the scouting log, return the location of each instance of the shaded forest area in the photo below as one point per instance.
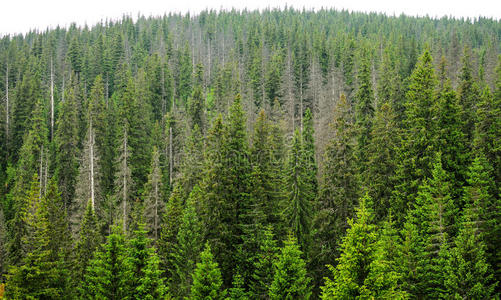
(280, 154)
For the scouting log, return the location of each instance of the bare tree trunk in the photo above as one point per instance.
(7, 104)
(125, 183)
(51, 99)
(41, 173)
(91, 156)
(170, 155)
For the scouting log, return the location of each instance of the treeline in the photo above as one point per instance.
(252, 155)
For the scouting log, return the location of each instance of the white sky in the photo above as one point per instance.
(19, 16)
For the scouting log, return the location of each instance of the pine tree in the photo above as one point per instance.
(88, 242)
(237, 291)
(379, 175)
(40, 274)
(143, 263)
(171, 221)
(364, 112)
(434, 217)
(66, 140)
(415, 154)
(338, 195)
(468, 96)
(450, 138)
(189, 245)
(207, 280)
(290, 280)
(384, 280)
(301, 194)
(469, 274)
(263, 266)
(153, 201)
(357, 255)
(488, 128)
(482, 211)
(107, 276)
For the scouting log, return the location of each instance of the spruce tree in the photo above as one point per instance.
(263, 266)
(41, 273)
(338, 195)
(468, 96)
(66, 140)
(415, 154)
(364, 112)
(290, 280)
(171, 221)
(107, 276)
(379, 175)
(88, 242)
(298, 210)
(357, 255)
(153, 200)
(188, 247)
(207, 280)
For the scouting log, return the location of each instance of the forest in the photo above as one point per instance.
(238, 154)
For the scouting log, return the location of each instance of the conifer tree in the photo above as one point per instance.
(301, 194)
(338, 195)
(415, 154)
(123, 181)
(143, 263)
(469, 274)
(308, 153)
(88, 242)
(207, 280)
(171, 221)
(107, 276)
(379, 175)
(189, 245)
(450, 138)
(468, 96)
(364, 112)
(488, 128)
(263, 266)
(66, 140)
(153, 201)
(237, 291)
(357, 255)
(41, 274)
(290, 280)
(384, 280)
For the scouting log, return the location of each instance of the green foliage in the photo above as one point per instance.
(207, 280)
(290, 280)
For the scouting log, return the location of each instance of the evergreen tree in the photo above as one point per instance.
(66, 140)
(468, 96)
(339, 191)
(237, 291)
(379, 175)
(153, 201)
(301, 193)
(207, 280)
(290, 280)
(41, 274)
(364, 112)
(107, 276)
(263, 266)
(450, 138)
(189, 246)
(415, 154)
(469, 274)
(145, 276)
(171, 221)
(357, 256)
(88, 242)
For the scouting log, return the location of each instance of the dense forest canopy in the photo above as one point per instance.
(275, 154)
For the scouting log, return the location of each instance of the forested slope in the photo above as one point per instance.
(280, 154)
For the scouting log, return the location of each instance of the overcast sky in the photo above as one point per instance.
(19, 16)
